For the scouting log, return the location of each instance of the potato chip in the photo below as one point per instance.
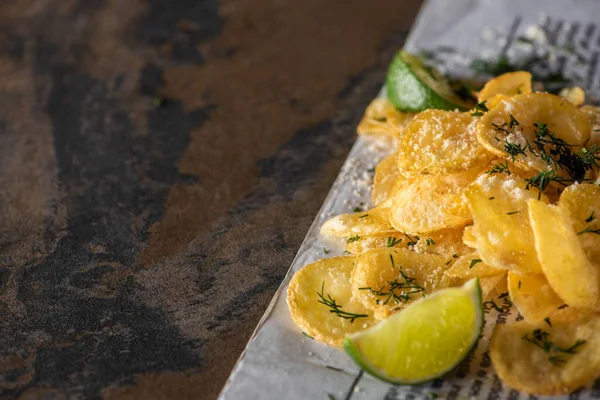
(533, 296)
(501, 223)
(431, 203)
(492, 286)
(369, 222)
(469, 237)
(571, 274)
(447, 242)
(574, 94)
(383, 119)
(508, 129)
(439, 142)
(470, 266)
(327, 281)
(387, 179)
(547, 360)
(385, 280)
(509, 84)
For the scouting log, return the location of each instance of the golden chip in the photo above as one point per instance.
(385, 280)
(501, 223)
(431, 203)
(383, 119)
(508, 129)
(509, 84)
(564, 261)
(533, 296)
(387, 179)
(439, 142)
(547, 360)
(469, 237)
(574, 94)
(351, 226)
(327, 281)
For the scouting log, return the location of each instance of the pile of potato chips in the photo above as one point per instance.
(487, 193)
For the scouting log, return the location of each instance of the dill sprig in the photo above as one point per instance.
(392, 241)
(501, 168)
(480, 109)
(473, 262)
(589, 230)
(514, 149)
(353, 239)
(541, 339)
(399, 290)
(590, 218)
(429, 241)
(337, 308)
(411, 240)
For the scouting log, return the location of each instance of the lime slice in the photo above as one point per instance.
(413, 86)
(425, 340)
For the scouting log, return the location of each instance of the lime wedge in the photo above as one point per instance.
(413, 86)
(425, 340)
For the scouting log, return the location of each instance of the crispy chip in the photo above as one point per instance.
(369, 222)
(469, 237)
(331, 277)
(383, 119)
(508, 130)
(439, 142)
(385, 280)
(572, 275)
(533, 296)
(501, 223)
(526, 358)
(387, 179)
(470, 266)
(431, 203)
(574, 94)
(509, 84)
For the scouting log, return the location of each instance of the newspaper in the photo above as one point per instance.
(555, 39)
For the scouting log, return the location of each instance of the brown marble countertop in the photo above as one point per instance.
(160, 164)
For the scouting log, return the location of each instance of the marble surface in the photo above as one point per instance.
(160, 164)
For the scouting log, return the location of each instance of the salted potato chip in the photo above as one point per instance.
(533, 296)
(387, 179)
(509, 84)
(572, 275)
(431, 203)
(369, 222)
(501, 223)
(469, 237)
(470, 266)
(574, 94)
(508, 129)
(439, 142)
(385, 280)
(492, 286)
(446, 242)
(327, 281)
(383, 119)
(526, 356)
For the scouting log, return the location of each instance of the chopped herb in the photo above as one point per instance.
(499, 169)
(371, 170)
(589, 230)
(429, 241)
(503, 295)
(449, 261)
(590, 218)
(325, 250)
(357, 209)
(412, 241)
(563, 306)
(543, 179)
(480, 108)
(513, 122)
(392, 241)
(519, 287)
(513, 212)
(547, 320)
(307, 335)
(337, 308)
(346, 252)
(392, 260)
(491, 198)
(353, 239)
(473, 262)
(334, 368)
(362, 216)
(541, 339)
(514, 149)
(454, 255)
(406, 287)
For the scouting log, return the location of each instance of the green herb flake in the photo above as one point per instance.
(335, 308)
(473, 262)
(353, 239)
